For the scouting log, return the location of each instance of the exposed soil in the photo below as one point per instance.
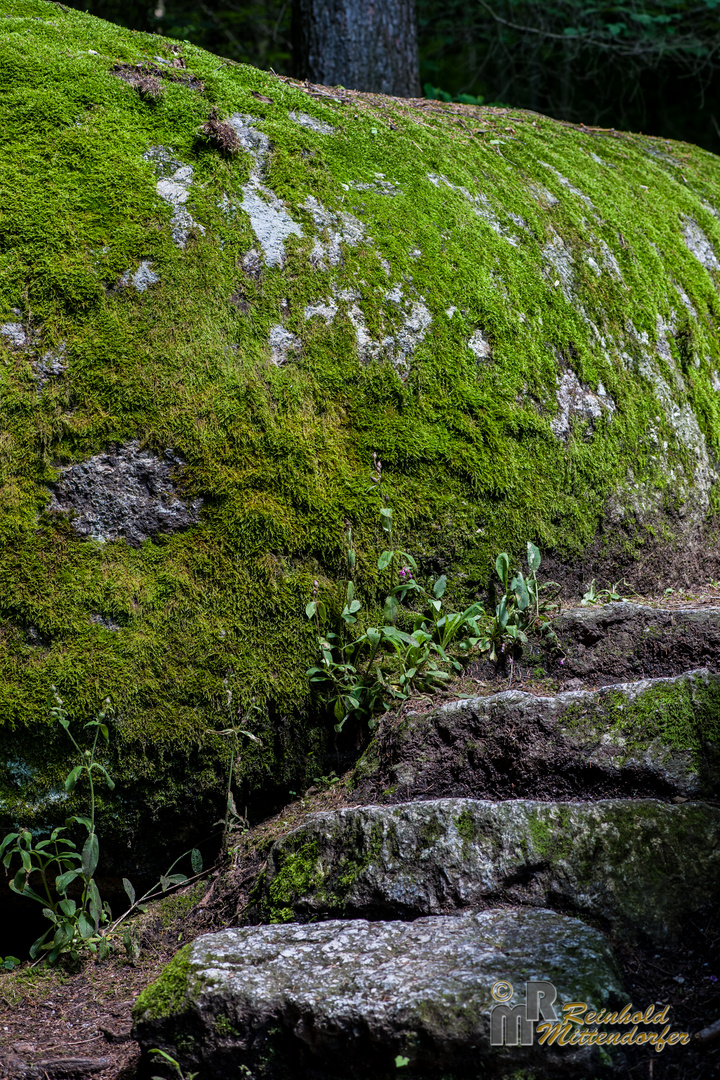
(59, 1025)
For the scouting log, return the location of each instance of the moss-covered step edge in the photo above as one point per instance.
(648, 737)
(625, 640)
(640, 868)
(290, 1001)
(200, 353)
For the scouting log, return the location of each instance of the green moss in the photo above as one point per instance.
(682, 716)
(299, 875)
(224, 1027)
(466, 827)
(166, 996)
(550, 832)
(280, 454)
(302, 874)
(172, 908)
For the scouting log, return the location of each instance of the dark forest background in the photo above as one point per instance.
(640, 65)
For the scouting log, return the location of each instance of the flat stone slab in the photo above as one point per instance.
(649, 737)
(639, 868)
(628, 641)
(344, 999)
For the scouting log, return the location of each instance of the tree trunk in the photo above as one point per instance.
(361, 44)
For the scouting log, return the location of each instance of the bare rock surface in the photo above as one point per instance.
(649, 737)
(344, 999)
(127, 492)
(638, 867)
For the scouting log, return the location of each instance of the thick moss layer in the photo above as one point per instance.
(516, 315)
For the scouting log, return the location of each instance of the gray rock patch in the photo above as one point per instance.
(173, 187)
(576, 401)
(283, 344)
(605, 741)
(699, 245)
(142, 279)
(344, 999)
(15, 334)
(306, 121)
(126, 493)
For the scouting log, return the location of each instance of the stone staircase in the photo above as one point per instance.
(509, 838)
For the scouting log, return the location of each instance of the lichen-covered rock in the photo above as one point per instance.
(125, 493)
(649, 737)
(640, 867)
(489, 300)
(344, 999)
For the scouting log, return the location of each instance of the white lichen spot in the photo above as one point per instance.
(558, 256)
(270, 222)
(699, 245)
(576, 401)
(543, 196)
(715, 381)
(142, 279)
(173, 187)
(306, 121)
(14, 334)
(325, 310)
(693, 499)
(283, 344)
(479, 346)
(685, 300)
(337, 228)
(269, 219)
(380, 185)
(451, 311)
(609, 261)
(399, 344)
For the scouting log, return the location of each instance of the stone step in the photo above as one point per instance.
(622, 641)
(651, 737)
(640, 869)
(346, 999)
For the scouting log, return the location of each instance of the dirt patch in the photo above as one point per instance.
(147, 78)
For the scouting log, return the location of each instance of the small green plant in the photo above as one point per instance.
(601, 596)
(360, 674)
(9, 963)
(233, 821)
(326, 783)
(362, 671)
(74, 923)
(51, 868)
(175, 1065)
(522, 607)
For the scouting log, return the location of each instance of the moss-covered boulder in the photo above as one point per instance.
(221, 293)
(640, 867)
